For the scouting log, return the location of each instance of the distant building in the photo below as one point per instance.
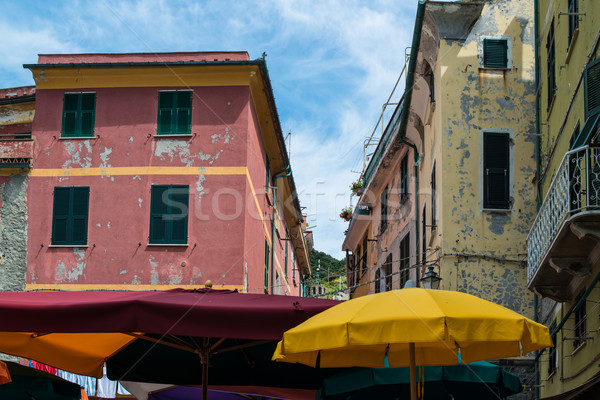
(17, 108)
(450, 190)
(154, 171)
(563, 252)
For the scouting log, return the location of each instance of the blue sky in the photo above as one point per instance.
(332, 65)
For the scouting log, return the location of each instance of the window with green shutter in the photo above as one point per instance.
(79, 110)
(267, 253)
(573, 7)
(70, 215)
(169, 214)
(592, 88)
(495, 53)
(174, 113)
(550, 64)
(496, 173)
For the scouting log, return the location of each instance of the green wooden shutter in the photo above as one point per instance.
(496, 172)
(79, 213)
(551, 66)
(166, 100)
(88, 112)
(70, 215)
(70, 105)
(495, 53)
(79, 111)
(592, 89)
(158, 210)
(184, 108)
(169, 214)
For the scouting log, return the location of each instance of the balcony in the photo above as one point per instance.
(562, 245)
(16, 150)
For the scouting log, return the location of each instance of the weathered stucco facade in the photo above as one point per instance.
(244, 226)
(16, 149)
(563, 245)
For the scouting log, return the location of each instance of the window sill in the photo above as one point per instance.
(551, 374)
(68, 245)
(571, 45)
(497, 210)
(549, 109)
(167, 245)
(78, 137)
(496, 68)
(179, 135)
(578, 348)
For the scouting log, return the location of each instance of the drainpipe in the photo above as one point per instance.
(410, 77)
(274, 179)
(538, 196)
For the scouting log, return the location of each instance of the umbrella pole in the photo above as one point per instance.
(205, 350)
(413, 374)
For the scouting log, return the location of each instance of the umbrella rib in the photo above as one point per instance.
(242, 346)
(151, 339)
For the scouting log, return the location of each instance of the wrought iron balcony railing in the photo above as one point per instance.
(575, 190)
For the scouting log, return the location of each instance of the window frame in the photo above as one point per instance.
(433, 197)
(404, 179)
(481, 44)
(579, 323)
(168, 239)
(593, 111)
(174, 114)
(70, 217)
(404, 260)
(510, 173)
(573, 28)
(550, 66)
(384, 199)
(78, 112)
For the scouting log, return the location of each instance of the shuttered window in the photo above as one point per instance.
(573, 18)
(79, 111)
(404, 260)
(169, 214)
(387, 269)
(495, 53)
(433, 199)
(592, 88)
(404, 179)
(496, 174)
(550, 64)
(70, 215)
(174, 113)
(384, 209)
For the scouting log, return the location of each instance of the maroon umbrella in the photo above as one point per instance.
(161, 336)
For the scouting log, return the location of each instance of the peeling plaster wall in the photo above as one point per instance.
(118, 252)
(470, 243)
(13, 232)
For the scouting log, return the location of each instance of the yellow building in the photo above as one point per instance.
(562, 248)
(453, 171)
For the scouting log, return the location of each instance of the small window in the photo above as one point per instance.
(552, 356)
(592, 89)
(70, 215)
(404, 260)
(169, 214)
(79, 111)
(433, 199)
(404, 179)
(424, 236)
(387, 269)
(580, 324)
(495, 53)
(550, 64)
(174, 113)
(573, 6)
(496, 173)
(384, 209)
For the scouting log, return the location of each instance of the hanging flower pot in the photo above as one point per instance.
(346, 214)
(357, 187)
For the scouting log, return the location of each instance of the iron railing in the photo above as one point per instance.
(575, 188)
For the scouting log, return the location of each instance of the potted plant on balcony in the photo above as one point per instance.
(357, 187)
(346, 213)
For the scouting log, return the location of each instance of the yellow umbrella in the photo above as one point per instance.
(409, 327)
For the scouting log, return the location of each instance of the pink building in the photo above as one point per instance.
(158, 171)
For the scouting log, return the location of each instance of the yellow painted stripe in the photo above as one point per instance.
(260, 212)
(151, 76)
(146, 170)
(77, 286)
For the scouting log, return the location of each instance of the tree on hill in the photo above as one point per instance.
(329, 268)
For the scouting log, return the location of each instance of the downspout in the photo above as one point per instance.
(410, 77)
(274, 178)
(536, 316)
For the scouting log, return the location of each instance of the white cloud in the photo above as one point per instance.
(332, 65)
